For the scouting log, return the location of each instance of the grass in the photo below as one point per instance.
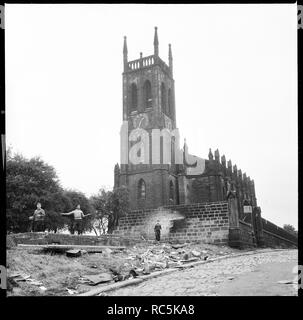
(58, 272)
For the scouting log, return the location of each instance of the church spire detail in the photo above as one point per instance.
(156, 42)
(125, 54)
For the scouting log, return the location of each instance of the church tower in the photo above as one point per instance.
(148, 103)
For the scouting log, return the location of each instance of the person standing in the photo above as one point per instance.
(78, 215)
(158, 230)
(38, 219)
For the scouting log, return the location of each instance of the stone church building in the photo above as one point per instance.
(149, 100)
(195, 199)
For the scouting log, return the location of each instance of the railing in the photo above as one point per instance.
(147, 62)
(141, 63)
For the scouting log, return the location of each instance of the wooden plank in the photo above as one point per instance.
(114, 286)
(69, 246)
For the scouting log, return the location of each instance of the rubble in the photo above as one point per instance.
(98, 278)
(108, 265)
(73, 253)
(196, 253)
(71, 291)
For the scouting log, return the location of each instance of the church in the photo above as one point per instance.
(149, 104)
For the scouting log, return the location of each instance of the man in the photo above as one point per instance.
(157, 230)
(38, 219)
(78, 215)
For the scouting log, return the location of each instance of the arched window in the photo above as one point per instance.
(171, 191)
(134, 97)
(163, 98)
(169, 107)
(147, 94)
(141, 189)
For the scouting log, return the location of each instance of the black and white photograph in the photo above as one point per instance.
(151, 150)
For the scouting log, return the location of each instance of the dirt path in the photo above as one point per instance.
(256, 274)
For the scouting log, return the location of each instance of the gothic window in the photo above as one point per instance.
(169, 102)
(134, 97)
(141, 189)
(171, 191)
(147, 94)
(163, 98)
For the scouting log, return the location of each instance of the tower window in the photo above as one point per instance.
(163, 98)
(171, 191)
(134, 97)
(141, 189)
(147, 94)
(169, 102)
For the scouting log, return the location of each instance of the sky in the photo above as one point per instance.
(235, 71)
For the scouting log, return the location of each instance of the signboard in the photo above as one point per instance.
(247, 209)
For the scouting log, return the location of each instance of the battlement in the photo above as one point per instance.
(147, 62)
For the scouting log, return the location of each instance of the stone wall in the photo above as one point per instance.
(246, 236)
(205, 222)
(274, 240)
(42, 238)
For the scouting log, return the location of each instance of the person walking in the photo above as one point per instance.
(158, 230)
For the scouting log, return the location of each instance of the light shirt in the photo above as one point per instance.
(78, 214)
(39, 214)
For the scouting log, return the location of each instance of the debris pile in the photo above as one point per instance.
(14, 278)
(82, 267)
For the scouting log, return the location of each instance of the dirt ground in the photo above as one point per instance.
(56, 273)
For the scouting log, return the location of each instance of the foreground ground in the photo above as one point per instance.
(57, 274)
(257, 274)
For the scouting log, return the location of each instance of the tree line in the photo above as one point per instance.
(29, 181)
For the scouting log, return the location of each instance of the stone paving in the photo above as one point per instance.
(207, 279)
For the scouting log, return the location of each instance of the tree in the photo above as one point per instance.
(100, 205)
(109, 207)
(27, 182)
(118, 205)
(290, 229)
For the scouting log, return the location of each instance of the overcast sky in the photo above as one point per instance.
(235, 70)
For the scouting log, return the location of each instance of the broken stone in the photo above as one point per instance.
(19, 277)
(73, 253)
(133, 273)
(146, 269)
(190, 260)
(114, 271)
(98, 278)
(174, 258)
(177, 246)
(34, 282)
(196, 253)
(71, 291)
(119, 277)
(185, 256)
(161, 265)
